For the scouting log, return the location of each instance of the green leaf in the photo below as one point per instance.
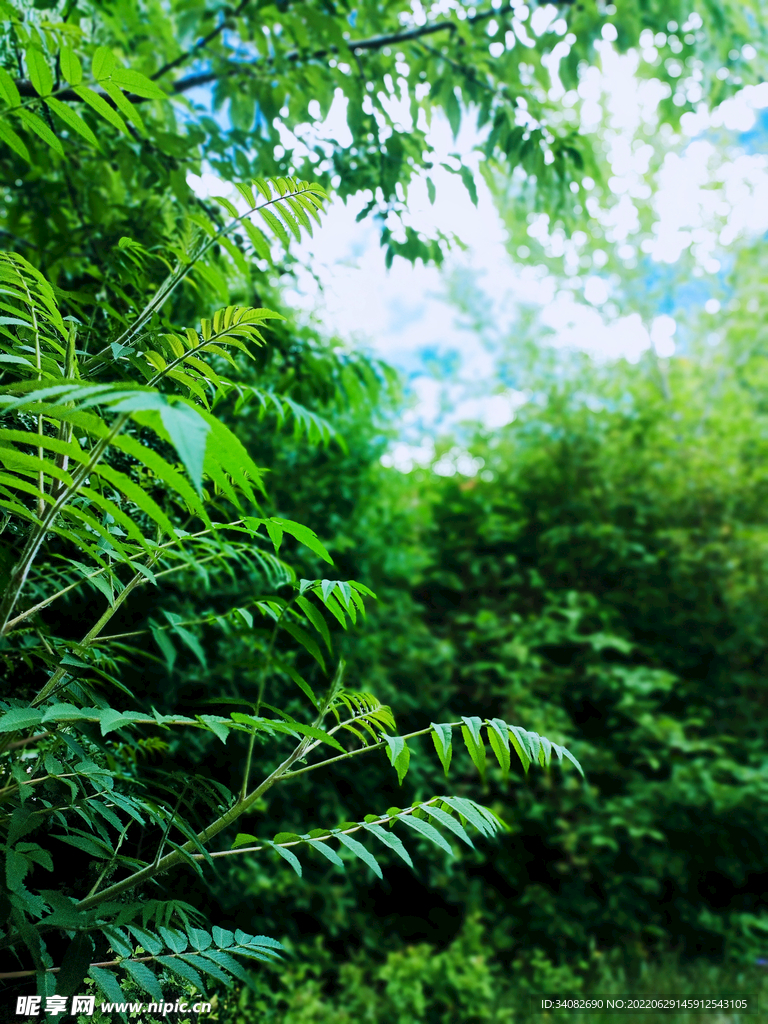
(200, 939)
(292, 859)
(107, 982)
(135, 82)
(567, 754)
(290, 220)
(189, 639)
(163, 642)
(276, 226)
(144, 978)
(19, 718)
(217, 727)
(359, 851)
(498, 736)
(100, 105)
(326, 851)
(74, 966)
(258, 241)
(103, 63)
(469, 811)
(391, 840)
(291, 672)
(176, 940)
(449, 822)
(149, 941)
(398, 754)
(40, 128)
(189, 435)
(229, 964)
(545, 753)
(138, 496)
(534, 744)
(247, 193)
(39, 73)
(303, 638)
(8, 90)
(228, 206)
(471, 733)
(206, 967)
(22, 821)
(275, 533)
(124, 105)
(519, 740)
(332, 603)
(244, 616)
(16, 868)
(244, 839)
(306, 536)
(469, 183)
(71, 68)
(441, 737)
(427, 830)
(184, 970)
(89, 846)
(14, 142)
(119, 941)
(309, 730)
(36, 854)
(317, 620)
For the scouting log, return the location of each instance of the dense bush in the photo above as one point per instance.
(608, 585)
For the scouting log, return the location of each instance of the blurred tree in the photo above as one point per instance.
(244, 90)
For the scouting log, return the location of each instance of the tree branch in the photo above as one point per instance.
(201, 43)
(356, 46)
(383, 820)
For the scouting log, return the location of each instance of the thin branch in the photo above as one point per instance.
(49, 600)
(28, 91)
(14, 787)
(356, 46)
(201, 43)
(84, 579)
(384, 820)
(166, 830)
(230, 816)
(354, 753)
(89, 637)
(174, 279)
(8, 975)
(30, 739)
(204, 836)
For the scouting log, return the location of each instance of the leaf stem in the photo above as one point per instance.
(260, 696)
(359, 750)
(383, 820)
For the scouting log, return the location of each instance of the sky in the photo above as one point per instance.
(710, 192)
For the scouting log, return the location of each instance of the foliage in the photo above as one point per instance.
(133, 460)
(602, 578)
(605, 577)
(115, 104)
(114, 451)
(462, 982)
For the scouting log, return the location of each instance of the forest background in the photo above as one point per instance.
(594, 569)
